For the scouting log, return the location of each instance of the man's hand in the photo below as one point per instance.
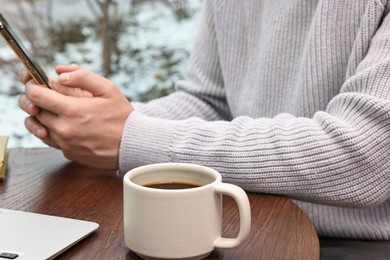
(32, 124)
(83, 115)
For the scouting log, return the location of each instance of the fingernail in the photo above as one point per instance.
(30, 108)
(38, 132)
(64, 77)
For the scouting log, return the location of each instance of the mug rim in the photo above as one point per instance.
(150, 167)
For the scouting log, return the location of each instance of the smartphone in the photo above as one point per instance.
(23, 54)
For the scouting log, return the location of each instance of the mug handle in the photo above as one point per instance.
(242, 201)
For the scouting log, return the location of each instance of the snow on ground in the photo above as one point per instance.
(166, 31)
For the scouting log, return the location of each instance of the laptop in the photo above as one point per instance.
(25, 236)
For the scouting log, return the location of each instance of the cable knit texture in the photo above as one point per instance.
(284, 97)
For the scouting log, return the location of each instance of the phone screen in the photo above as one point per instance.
(23, 54)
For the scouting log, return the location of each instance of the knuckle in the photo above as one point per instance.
(111, 85)
(80, 73)
(33, 94)
(71, 110)
(64, 132)
(67, 134)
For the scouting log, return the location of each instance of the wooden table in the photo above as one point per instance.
(40, 180)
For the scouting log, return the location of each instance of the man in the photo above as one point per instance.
(284, 97)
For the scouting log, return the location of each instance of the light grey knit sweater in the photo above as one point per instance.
(284, 97)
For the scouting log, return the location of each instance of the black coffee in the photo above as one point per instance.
(171, 185)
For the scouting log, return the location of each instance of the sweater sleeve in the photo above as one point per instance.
(337, 157)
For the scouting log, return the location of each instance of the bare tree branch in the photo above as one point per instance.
(93, 9)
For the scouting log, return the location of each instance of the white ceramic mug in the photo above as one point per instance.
(179, 223)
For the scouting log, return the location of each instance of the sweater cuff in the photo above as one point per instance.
(145, 140)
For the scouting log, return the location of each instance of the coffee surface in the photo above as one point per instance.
(171, 185)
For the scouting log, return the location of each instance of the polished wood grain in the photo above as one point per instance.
(40, 180)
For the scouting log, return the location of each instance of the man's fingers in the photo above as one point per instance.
(35, 127)
(47, 99)
(24, 77)
(83, 79)
(27, 106)
(74, 92)
(67, 68)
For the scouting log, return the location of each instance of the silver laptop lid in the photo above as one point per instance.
(25, 235)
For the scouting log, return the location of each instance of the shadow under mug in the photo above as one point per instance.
(179, 223)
